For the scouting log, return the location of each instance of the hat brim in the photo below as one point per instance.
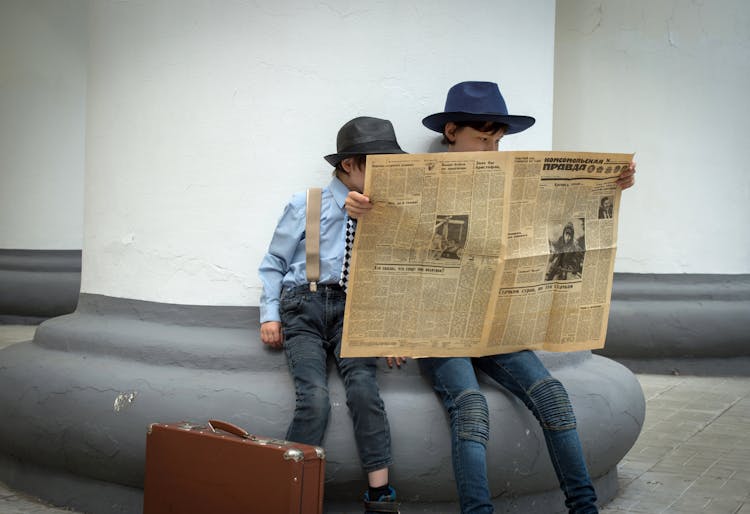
(515, 123)
(335, 158)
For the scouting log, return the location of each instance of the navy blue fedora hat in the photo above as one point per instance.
(364, 136)
(476, 101)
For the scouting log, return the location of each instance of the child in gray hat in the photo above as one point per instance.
(306, 319)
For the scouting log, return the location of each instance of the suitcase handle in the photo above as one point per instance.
(213, 424)
(228, 427)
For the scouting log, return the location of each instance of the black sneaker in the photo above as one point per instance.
(386, 503)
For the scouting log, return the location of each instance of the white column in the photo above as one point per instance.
(667, 80)
(42, 138)
(42, 124)
(204, 118)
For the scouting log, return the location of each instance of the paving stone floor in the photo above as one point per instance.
(692, 456)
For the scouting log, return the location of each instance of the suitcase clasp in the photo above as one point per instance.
(294, 454)
(187, 426)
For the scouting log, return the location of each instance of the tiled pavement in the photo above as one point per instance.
(12, 502)
(11, 334)
(692, 456)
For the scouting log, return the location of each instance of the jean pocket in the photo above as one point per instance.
(290, 304)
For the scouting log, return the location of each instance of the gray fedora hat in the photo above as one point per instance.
(364, 136)
(476, 101)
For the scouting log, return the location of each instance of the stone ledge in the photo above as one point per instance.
(38, 284)
(678, 316)
(60, 394)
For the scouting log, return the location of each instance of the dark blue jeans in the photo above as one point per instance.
(312, 324)
(524, 375)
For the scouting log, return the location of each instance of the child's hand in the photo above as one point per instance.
(270, 334)
(398, 361)
(357, 204)
(627, 177)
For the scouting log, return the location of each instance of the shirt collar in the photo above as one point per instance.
(339, 191)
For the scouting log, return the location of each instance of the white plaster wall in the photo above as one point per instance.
(669, 80)
(42, 123)
(204, 117)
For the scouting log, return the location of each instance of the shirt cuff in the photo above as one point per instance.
(269, 313)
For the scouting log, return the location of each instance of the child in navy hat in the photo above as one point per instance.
(476, 118)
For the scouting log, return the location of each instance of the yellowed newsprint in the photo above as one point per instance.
(481, 253)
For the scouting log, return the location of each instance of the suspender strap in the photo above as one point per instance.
(312, 236)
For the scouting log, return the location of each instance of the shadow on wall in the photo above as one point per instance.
(36, 285)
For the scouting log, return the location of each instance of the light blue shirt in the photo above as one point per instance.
(284, 264)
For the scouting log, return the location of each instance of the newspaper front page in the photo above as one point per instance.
(481, 253)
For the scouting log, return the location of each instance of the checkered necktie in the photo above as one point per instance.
(351, 227)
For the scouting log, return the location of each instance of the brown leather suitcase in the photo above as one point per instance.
(220, 468)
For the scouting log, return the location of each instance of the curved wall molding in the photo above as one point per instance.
(38, 284)
(686, 317)
(65, 431)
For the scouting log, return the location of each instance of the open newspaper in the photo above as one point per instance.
(480, 253)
